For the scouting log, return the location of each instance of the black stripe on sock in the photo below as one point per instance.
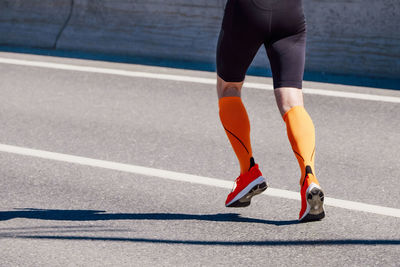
(237, 139)
(312, 154)
(299, 155)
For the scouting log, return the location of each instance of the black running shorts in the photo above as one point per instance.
(278, 24)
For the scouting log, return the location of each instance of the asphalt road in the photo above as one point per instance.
(57, 213)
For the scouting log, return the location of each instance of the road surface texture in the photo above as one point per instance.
(57, 212)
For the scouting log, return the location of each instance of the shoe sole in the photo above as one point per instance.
(246, 199)
(315, 205)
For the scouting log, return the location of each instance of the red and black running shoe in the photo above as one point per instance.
(245, 187)
(312, 199)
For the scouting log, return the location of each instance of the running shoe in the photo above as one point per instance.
(312, 199)
(245, 187)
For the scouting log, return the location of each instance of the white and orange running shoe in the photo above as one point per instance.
(245, 187)
(312, 199)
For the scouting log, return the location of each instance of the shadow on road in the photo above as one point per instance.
(60, 232)
(321, 242)
(99, 215)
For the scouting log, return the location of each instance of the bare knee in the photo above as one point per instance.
(225, 89)
(228, 91)
(288, 97)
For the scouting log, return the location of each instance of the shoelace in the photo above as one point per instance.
(235, 183)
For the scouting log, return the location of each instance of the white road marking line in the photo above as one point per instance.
(183, 177)
(182, 78)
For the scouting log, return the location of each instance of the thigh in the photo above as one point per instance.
(239, 40)
(286, 48)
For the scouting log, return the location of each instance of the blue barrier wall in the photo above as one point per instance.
(358, 37)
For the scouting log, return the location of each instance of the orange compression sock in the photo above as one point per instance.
(301, 133)
(236, 123)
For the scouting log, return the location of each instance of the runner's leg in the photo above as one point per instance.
(235, 121)
(299, 126)
(238, 43)
(286, 51)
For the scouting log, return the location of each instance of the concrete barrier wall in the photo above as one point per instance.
(173, 29)
(358, 37)
(354, 36)
(34, 23)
